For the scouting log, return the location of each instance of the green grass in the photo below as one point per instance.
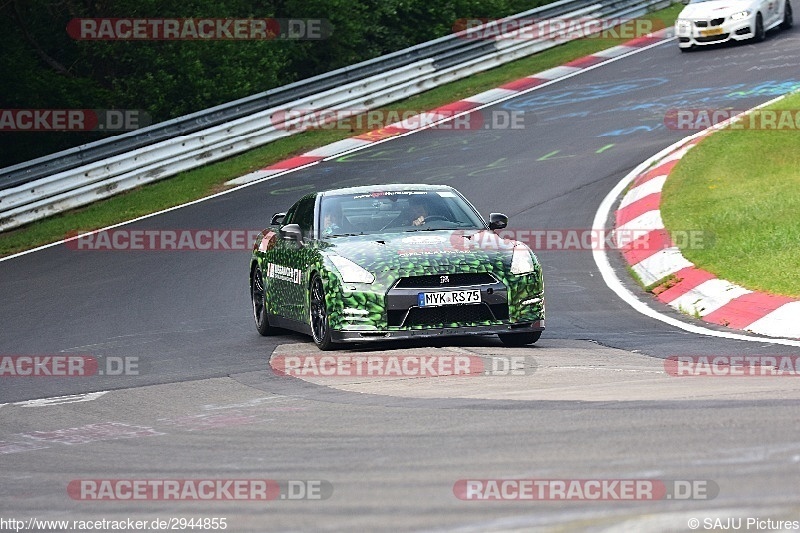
(209, 179)
(743, 188)
(661, 284)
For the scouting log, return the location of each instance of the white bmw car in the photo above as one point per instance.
(705, 22)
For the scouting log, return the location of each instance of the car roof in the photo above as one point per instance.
(383, 188)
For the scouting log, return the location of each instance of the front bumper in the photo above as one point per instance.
(365, 313)
(690, 34)
(381, 335)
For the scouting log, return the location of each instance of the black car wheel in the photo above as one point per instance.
(318, 314)
(760, 34)
(788, 21)
(519, 339)
(258, 297)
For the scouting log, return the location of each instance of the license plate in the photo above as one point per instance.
(433, 299)
(708, 33)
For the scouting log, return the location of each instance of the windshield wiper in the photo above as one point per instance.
(423, 229)
(347, 235)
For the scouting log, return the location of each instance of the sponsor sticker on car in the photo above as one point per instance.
(292, 275)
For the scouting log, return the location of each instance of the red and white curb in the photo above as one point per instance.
(654, 257)
(451, 111)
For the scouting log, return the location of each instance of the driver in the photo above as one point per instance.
(418, 211)
(415, 213)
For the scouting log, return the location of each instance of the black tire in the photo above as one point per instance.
(258, 297)
(318, 315)
(686, 50)
(760, 33)
(519, 339)
(788, 21)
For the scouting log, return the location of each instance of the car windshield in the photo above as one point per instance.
(395, 212)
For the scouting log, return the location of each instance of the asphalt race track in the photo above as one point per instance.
(598, 405)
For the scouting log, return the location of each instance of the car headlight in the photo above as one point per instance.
(740, 15)
(522, 260)
(683, 26)
(351, 272)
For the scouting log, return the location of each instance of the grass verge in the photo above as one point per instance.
(209, 179)
(740, 187)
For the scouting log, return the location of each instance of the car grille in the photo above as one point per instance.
(712, 38)
(453, 280)
(711, 23)
(447, 315)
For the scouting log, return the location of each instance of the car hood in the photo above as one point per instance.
(713, 9)
(426, 252)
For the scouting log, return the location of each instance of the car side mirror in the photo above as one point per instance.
(685, 2)
(292, 232)
(277, 218)
(497, 221)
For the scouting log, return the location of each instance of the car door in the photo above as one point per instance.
(771, 12)
(780, 5)
(287, 270)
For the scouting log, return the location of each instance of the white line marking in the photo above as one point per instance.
(61, 400)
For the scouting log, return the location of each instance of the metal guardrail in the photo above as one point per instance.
(76, 177)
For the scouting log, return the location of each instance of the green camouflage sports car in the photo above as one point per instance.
(393, 262)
